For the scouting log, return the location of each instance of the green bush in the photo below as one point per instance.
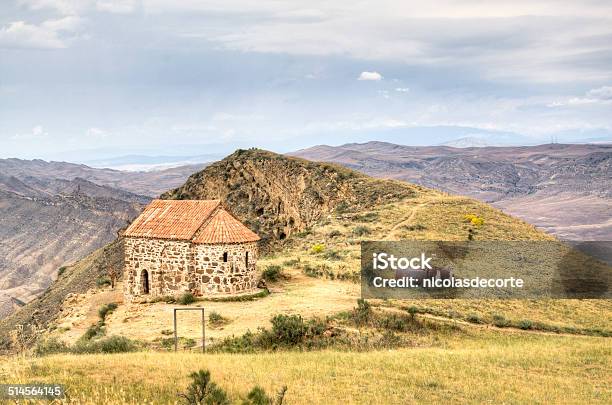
(291, 262)
(500, 321)
(94, 331)
(311, 271)
(342, 207)
(51, 346)
(288, 329)
(106, 309)
(202, 391)
(474, 318)
(361, 230)
(186, 299)
(367, 217)
(332, 255)
(363, 312)
(272, 273)
(258, 396)
(103, 281)
(334, 234)
(216, 318)
(61, 270)
(525, 324)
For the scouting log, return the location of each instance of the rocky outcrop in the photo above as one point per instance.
(275, 195)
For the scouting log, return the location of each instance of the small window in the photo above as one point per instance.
(246, 259)
(225, 257)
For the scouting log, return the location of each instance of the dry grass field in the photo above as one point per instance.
(483, 367)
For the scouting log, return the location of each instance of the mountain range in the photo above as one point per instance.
(562, 188)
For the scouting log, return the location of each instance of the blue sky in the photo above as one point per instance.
(92, 78)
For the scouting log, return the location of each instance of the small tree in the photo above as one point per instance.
(202, 391)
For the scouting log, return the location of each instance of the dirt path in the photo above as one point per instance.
(409, 219)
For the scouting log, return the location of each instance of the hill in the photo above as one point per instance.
(277, 196)
(542, 184)
(295, 204)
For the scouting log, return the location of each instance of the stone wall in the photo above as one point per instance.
(175, 267)
(214, 275)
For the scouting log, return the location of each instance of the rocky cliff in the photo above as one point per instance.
(277, 195)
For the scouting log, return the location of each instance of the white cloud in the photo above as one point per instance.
(116, 6)
(37, 132)
(525, 40)
(402, 89)
(51, 34)
(375, 76)
(65, 7)
(600, 95)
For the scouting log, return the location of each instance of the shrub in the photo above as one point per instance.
(203, 391)
(272, 273)
(500, 321)
(474, 318)
(417, 227)
(317, 248)
(258, 396)
(311, 271)
(103, 281)
(216, 318)
(112, 344)
(93, 331)
(50, 346)
(334, 234)
(332, 255)
(106, 309)
(186, 299)
(168, 299)
(342, 207)
(61, 270)
(363, 312)
(291, 262)
(367, 217)
(361, 230)
(167, 332)
(288, 329)
(525, 324)
(412, 310)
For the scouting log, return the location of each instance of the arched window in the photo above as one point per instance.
(144, 276)
(224, 257)
(246, 259)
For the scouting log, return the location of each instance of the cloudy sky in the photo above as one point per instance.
(89, 78)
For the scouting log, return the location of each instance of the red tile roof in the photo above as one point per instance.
(200, 221)
(224, 228)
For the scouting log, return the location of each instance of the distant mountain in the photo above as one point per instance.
(149, 163)
(148, 183)
(468, 142)
(564, 189)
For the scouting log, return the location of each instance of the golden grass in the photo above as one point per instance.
(491, 367)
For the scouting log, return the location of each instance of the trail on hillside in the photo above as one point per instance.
(408, 220)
